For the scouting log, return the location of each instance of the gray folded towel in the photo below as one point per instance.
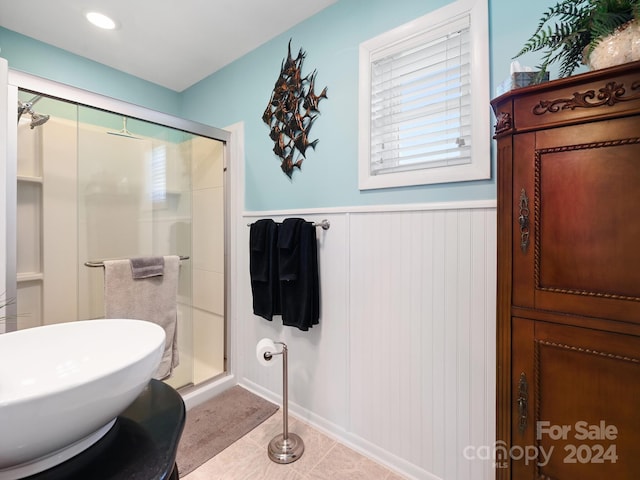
(145, 267)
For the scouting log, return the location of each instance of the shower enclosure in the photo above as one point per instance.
(102, 183)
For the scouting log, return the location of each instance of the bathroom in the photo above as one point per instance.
(408, 340)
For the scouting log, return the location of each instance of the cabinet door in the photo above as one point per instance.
(575, 413)
(583, 188)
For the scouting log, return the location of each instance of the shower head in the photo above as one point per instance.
(37, 119)
(27, 107)
(124, 132)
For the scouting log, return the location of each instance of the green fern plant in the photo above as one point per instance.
(570, 30)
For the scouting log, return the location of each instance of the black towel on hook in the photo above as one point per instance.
(298, 268)
(263, 268)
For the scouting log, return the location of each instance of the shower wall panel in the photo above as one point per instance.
(208, 258)
(114, 211)
(29, 235)
(46, 220)
(60, 220)
(171, 222)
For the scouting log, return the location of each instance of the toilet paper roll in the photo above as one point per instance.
(265, 345)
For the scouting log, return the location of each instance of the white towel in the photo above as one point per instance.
(153, 299)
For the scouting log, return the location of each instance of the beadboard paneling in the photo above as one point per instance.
(402, 365)
(421, 344)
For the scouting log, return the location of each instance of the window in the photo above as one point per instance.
(424, 100)
(159, 175)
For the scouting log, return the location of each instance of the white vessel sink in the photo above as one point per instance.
(62, 387)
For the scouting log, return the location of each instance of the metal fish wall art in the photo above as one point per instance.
(291, 112)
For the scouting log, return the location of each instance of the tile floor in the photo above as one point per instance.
(323, 458)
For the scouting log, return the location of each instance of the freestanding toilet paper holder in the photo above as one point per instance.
(286, 447)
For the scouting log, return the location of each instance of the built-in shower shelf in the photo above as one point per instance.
(29, 179)
(29, 277)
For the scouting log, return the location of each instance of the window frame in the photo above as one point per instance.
(480, 166)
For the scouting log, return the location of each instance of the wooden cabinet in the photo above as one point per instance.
(568, 394)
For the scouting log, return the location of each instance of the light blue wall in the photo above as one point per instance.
(328, 178)
(240, 92)
(329, 175)
(25, 54)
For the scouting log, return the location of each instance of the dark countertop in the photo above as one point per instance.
(141, 445)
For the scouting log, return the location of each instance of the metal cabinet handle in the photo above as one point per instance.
(523, 402)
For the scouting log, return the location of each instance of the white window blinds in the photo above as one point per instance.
(423, 106)
(420, 101)
(159, 174)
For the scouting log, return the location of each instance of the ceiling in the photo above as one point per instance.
(173, 43)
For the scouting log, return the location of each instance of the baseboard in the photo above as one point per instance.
(330, 429)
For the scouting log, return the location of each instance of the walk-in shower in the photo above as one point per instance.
(85, 194)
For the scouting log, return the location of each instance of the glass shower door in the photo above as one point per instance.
(134, 200)
(94, 185)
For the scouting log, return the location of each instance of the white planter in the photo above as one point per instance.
(620, 47)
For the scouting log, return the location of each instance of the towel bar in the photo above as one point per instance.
(325, 224)
(100, 263)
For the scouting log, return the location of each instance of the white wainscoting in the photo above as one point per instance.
(402, 365)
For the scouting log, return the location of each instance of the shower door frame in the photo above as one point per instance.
(20, 80)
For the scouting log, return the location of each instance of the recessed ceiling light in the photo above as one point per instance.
(101, 21)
